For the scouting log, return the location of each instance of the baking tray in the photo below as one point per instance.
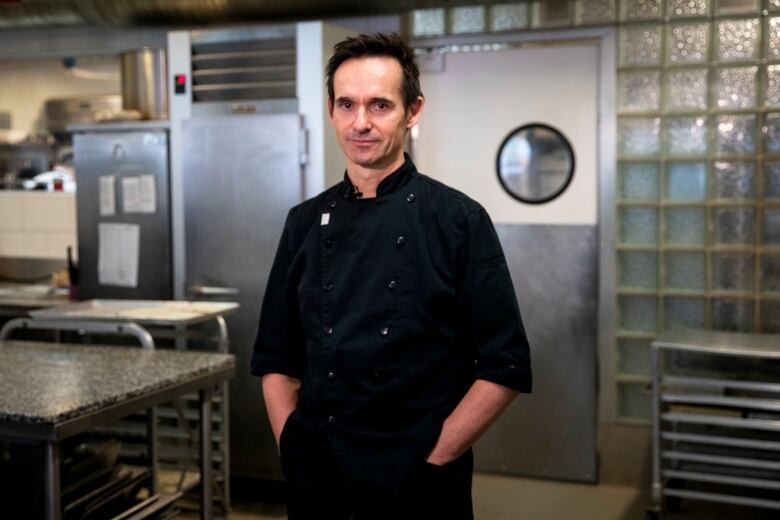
(143, 312)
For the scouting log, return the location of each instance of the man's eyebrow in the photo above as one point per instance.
(382, 100)
(343, 99)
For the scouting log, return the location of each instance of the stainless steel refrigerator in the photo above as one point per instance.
(241, 175)
(123, 181)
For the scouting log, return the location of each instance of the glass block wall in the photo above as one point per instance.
(698, 171)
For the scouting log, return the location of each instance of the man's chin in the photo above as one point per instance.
(365, 160)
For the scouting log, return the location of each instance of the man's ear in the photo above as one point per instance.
(415, 111)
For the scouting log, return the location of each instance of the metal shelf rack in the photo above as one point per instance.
(716, 419)
(174, 426)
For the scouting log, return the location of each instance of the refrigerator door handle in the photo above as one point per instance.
(205, 290)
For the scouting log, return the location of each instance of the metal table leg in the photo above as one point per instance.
(656, 490)
(224, 347)
(151, 446)
(224, 339)
(226, 445)
(205, 453)
(52, 491)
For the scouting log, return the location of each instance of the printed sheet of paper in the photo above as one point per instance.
(131, 194)
(107, 195)
(148, 193)
(118, 252)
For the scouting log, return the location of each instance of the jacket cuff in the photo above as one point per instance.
(516, 377)
(264, 364)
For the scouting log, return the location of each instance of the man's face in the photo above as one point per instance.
(368, 112)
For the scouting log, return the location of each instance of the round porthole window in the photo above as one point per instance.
(535, 163)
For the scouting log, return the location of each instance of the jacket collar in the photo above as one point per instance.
(388, 185)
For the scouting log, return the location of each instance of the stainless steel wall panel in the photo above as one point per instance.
(552, 432)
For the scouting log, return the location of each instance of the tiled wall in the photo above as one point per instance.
(698, 176)
(37, 225)
(698, 203)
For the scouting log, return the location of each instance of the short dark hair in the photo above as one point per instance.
(389, 45)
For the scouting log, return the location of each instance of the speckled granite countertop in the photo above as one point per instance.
(50, 382)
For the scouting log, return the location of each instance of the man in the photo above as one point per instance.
(390, 337)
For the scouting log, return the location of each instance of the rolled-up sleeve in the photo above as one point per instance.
(279, 346)
(489, 306)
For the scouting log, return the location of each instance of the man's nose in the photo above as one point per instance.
(362, 122)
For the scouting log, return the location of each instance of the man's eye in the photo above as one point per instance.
(381, 106)
(345, 105)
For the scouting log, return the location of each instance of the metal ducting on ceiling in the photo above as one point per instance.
(30, 13)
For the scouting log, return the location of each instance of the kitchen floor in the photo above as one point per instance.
(510, 498)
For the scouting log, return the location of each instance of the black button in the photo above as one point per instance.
(400, 240)
(328, 287)
(331, 419)
(376, 374)
(328, 331)
(332, 204)
(384, 331)
(327, 242)
(410, 197)
(392, 285)
(331, 375)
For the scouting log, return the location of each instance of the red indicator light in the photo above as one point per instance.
(180, 83)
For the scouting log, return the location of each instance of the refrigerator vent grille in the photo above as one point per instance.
(243, 70)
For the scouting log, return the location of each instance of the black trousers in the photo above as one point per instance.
(319, 490)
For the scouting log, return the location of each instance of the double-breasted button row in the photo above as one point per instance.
(392, 284)
(327, 287)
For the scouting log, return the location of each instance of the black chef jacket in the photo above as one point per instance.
(387, 309)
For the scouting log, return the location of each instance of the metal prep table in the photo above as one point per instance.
(147, 320)
(716, 419)
(17, 299)
(50, 392)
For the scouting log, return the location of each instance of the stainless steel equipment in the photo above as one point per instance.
(77, 110)
(716, 427)
(201, 322)
(242, 174)
(121, 151)
(144, 82)
(23, 161)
